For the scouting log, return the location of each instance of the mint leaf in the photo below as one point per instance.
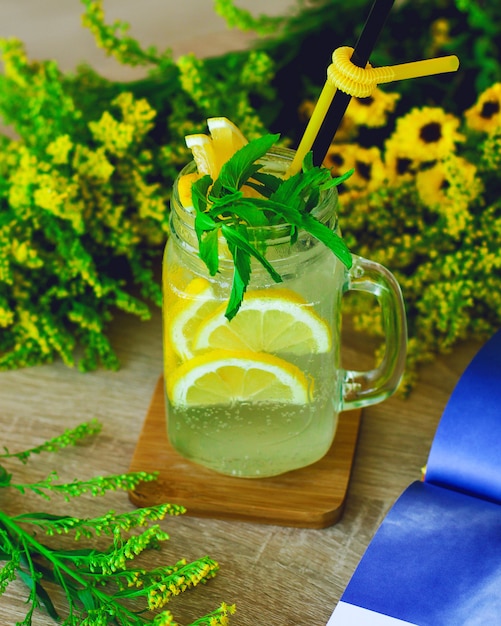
(236, 238)
(207, 231)
(199, 191)
(242, 165)
(247, 211)
(222, 208)
(267, 183)
(209, 250)
(204, 222)
(241, 278)
(308, 162)
(242, 251)
(329, 238)
(296, 188)
(334, 182)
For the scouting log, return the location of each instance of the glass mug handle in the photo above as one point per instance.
(363, 388)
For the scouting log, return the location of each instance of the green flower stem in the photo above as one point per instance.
(28, 541)
(26, 538)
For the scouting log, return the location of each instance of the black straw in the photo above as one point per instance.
(360, 57)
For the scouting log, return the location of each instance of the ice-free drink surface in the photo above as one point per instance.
(260, 395)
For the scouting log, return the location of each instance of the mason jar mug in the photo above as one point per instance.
(260, 395)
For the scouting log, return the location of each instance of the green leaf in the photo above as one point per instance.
(204, 222)
(242, 251)
(41, 594)
(312, 201)
(246, 210)
(293, 189)
(268, 183)
(199, 191)
(335, 182)
(308, 161)
(5, 477)
(225, 200)
(328, 237)
(87, 598)
(209, 250)
(239, 240)
(241, 278)
(242, 165)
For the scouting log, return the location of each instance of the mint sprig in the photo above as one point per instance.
(222, 209)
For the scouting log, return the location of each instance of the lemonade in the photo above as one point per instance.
(252, 397)
(238, 409)
(252, 310)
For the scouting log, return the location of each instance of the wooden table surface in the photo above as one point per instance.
(277, 576)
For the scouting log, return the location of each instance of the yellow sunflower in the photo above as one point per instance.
(432, 184)
(372, 111)
(427, 134)
(369, 171)
(485, 115)
(398, 164)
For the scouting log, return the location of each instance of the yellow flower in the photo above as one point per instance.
(427, 134)
(372, 111)
(399, 165)
(440, 37)
(431, 186)
(305, 110)
(59, 149)
(93, 163)
(115, 136)
(448, 188)
(369, 172)
(485, 115)
(6, 316)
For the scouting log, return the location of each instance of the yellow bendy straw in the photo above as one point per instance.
(360, 82)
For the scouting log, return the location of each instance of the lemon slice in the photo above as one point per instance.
(204, 154)
(187, 313)
(276, 321)
(224, 377)
(227, 138)
(184, 185)
(210, 153)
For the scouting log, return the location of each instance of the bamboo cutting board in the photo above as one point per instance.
(311, 497)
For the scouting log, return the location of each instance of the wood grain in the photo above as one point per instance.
(311, 497)
(277, 575)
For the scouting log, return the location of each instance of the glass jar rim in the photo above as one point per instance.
(273, 234)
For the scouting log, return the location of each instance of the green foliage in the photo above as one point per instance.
(101, 586)
(85, 186)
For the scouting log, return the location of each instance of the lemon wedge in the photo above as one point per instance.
(186, 315)
(204, 154)
(227, 138)
(223, 377)
(211, 152)
(276, 321)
